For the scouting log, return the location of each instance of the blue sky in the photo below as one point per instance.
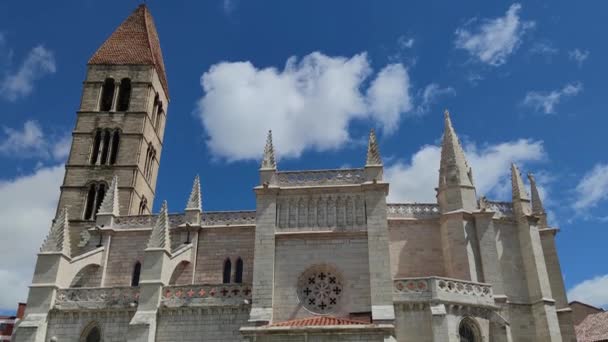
(523, 83)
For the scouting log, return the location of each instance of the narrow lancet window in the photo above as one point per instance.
(227, 271)
(96, 144)
(94, 197)
(136, 273)
(115, 142)
(238, 276)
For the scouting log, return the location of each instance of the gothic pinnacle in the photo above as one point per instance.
(195, 200)
(58, 239)
(159, 237)
(517, 184)
(537, 204)
(454, 169)
(268, 161)
(110, 204)
(373, 151)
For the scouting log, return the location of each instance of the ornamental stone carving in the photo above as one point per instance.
(320, 289)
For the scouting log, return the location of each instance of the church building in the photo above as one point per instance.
(321, 257)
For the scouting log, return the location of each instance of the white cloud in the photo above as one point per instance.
(592, 291)
(389, 96)
(415, 181)
(547, 101)
(592, 188)
(543, 48)
(28, 206)
(579, 56)
(494, 39)
(405, 43)
(228, 6)
(38, 63)
(308, 105)
(32, 142)
(430, 94)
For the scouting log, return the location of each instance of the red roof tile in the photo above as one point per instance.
(593, 328)
(135, 41)
(317, 321)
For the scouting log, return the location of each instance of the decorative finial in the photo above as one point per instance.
(268, 161)
(58, 239)
(160, 237)
(537, 204)
(195, 199)
(517, 185)
(373, 151)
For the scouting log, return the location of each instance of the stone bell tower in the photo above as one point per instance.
(120, 123)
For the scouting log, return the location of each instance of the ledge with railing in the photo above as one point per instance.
(442, 290)
(206, 295)
(97, 298)
(412, 210)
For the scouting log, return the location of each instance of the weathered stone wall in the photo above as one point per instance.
(69, 326)
(202, 324)
(415, 248)
(217, 244)
(126, 249)
(413, 323)
(346, 253)
(511, 263)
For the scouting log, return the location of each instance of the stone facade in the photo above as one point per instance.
(322, 257)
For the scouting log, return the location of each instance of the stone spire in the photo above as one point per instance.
(195, 199)
(160, 237)
(268, 161)
(453, 169)
(373, 151)
(456, 190)
(537, 204)
(109, 205)
(58, 239)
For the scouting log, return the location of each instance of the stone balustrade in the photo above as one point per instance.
(97, 298)
(227, 218)
(438, 289)
(321, 177)
(206, 295)
(412, 210)
(502, 209)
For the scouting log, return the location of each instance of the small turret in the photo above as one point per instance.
(194, 207)
(160, 237)
(521, 200)
(537, 205)
(268, 168)
(58, 239)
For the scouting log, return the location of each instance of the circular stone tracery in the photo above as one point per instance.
(320, 289)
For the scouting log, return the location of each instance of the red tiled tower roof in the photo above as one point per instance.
(135, 41)
(317, 321)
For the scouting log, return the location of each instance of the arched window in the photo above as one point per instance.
(92, 333)
(227, 271)
(468, 331)
(124, 95)
(95, 195)
(150, 157)
(105, 147)
(143, 205)
(238, 276)
(136, 273)
(107, 95)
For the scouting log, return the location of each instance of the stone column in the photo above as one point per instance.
(264, 254)
(459, 242)
(490, 266)
(381, 283)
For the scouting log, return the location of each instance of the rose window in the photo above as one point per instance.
(320, 289)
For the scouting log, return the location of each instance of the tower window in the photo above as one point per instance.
(91, 334)
(238, 276)
(136, 274)
(159, 117)
(468, 331)
(107, 95)
(155, 109)
(95, 196)
(227, 271)
(143, 205)
(150, 157)
(124, 95)
(105, 147)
